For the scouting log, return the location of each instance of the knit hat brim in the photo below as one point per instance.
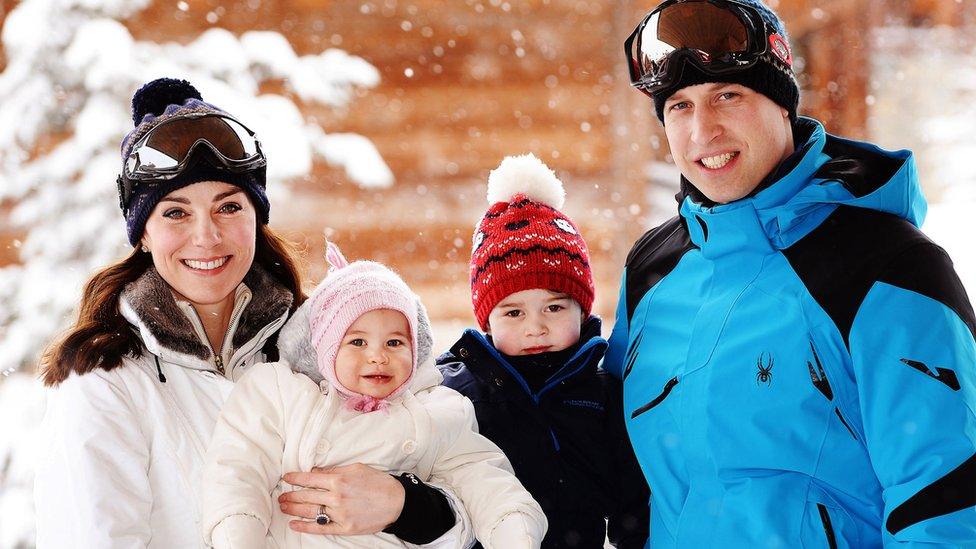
(146, 195)
(494, 293)
(775, 83)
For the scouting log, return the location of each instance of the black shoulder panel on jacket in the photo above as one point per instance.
(852, 249)
(654, 256)
(862, 171)
(927, 270)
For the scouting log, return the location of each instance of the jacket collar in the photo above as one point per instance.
(486, 363)
(172, 330)
(802, 192)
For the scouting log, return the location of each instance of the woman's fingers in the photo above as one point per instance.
(361, 500)
(303, 510)
(314, 497)
(315, 479)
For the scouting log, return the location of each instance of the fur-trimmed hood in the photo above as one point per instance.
(167, 326)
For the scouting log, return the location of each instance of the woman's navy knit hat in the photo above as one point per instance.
(154, 103)
(771, 77)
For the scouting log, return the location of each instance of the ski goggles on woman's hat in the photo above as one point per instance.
(718, 36)
(168, 149)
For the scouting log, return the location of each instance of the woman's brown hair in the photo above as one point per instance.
(101, 336)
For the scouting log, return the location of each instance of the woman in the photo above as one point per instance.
(163, 334)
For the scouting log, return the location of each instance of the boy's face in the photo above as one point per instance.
(535, 321)
(375, 356)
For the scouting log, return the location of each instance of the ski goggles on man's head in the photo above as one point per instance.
(169, 148)
(718, 36)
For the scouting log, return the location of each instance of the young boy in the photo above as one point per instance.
(533, 375)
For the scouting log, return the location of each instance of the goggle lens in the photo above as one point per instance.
(711, 31)
(167, 150)
(721, 36)
(168, 145)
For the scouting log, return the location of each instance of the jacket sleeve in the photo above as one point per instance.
(91, 487)
(629, 525)
(914, 359)
(502, 510)
(243, 463)
(613, 361)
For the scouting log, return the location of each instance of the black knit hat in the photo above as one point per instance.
(770, 76)
(157, 102)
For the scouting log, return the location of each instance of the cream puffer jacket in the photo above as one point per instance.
(123, 450)
(278, 420)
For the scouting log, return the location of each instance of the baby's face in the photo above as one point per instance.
(375, 355)
(535, 321)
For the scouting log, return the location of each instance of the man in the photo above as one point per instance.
(798, 358)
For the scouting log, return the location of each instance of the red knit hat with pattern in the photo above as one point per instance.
(524, 242)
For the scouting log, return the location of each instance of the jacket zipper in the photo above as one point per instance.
(844, 422)
(819, 377)
(658, 399)
(191, 313)
(828, 528)
(820, 381)
(159, 370)
(555, 441)
(232, 326)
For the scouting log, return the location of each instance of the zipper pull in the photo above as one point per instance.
(159, 370)
(219, 363)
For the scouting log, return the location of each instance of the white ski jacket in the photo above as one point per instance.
(120, 466)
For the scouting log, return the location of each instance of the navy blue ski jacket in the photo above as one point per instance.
(565, 439)
(799, 366)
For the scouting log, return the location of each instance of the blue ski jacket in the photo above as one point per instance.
(798, 365)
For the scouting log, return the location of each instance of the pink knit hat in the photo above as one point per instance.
(349, 291)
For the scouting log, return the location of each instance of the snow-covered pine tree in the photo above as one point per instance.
(64, 106)
(72, 67)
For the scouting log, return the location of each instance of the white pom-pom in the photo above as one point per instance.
(528, 175)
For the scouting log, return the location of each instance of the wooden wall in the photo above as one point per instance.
(465, 82)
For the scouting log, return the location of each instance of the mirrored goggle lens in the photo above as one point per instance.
(713, 32)
(168, 144)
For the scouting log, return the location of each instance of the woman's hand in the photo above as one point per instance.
(358, 499)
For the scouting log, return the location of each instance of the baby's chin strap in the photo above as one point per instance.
(334, 257)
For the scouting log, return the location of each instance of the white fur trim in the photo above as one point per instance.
(528, 175)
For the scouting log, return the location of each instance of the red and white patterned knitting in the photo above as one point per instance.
(524, 242)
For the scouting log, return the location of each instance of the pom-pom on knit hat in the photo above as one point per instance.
(524, 242)
(349, 291)
(154, 103)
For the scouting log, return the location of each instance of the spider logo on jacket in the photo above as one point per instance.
(765, 373)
